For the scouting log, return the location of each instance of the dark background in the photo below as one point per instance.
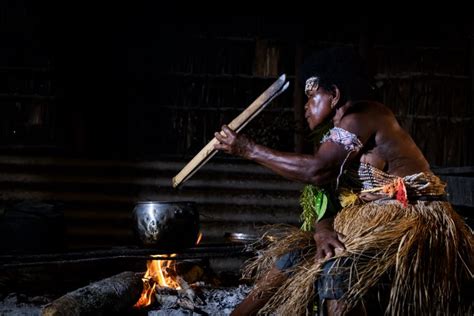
(102, 104)
(136, 82)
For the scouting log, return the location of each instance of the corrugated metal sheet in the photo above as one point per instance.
(98, 196)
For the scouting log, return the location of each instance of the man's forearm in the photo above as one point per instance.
(289, 165)
(324, 224)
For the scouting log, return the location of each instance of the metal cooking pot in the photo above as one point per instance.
(166, 225)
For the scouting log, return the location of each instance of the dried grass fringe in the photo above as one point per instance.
(427, 248)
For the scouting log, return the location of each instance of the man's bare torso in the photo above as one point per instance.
(387, 146)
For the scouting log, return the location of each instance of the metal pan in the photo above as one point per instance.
(241, 237)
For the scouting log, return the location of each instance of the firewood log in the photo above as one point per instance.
(115, 294)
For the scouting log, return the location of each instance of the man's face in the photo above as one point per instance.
(318, 107)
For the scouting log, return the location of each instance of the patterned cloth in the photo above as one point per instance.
(368, 183)
(364, 177)
(341, 136)
(349, 140)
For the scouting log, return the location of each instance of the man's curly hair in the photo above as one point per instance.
(340, 66)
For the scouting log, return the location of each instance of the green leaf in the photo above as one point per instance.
(314, 202)
(323, 207)
(317, 202)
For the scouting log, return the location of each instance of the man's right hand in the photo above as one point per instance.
(232, 143)
(328, 241)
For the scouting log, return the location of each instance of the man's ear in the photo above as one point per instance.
(336, 94)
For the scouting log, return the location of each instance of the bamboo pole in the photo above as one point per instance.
(208, 151)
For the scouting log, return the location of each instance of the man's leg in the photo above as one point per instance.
(334, 283)
(257, 299)
(336, 308)
(268, 285)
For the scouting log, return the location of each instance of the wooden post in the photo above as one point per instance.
(471, 59)
(467, 158)
(298, 102)
(364, 38)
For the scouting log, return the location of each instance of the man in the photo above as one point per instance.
(398, 235)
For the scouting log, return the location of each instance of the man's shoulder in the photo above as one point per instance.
(369, 116)
(369, 111)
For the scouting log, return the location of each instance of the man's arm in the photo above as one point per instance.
(319, 168)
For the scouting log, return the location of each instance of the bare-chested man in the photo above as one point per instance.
(368, 153)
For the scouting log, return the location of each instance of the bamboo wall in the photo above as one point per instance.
(205, 82)
(429, 90)
(426, 80)
(157, 88)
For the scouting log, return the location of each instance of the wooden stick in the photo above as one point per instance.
(208, 151)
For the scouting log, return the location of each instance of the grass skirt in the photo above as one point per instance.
(426, 248)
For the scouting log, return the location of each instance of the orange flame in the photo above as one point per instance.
(161, 273)
(199, 238)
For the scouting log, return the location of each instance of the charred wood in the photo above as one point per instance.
(115, 294)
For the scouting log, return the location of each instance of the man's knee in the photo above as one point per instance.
(288, 261)
(333, 282)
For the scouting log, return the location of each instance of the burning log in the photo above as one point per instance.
(114, 294)
(163, 285)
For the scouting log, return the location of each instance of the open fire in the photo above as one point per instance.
(185, 282)
(160, 274)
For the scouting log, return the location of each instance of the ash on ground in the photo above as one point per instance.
(214, 301)
(22, 305)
